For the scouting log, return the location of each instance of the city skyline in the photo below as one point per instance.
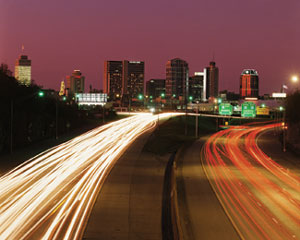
(227, 33)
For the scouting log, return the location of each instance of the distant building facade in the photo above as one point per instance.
(177, 76)
(124, 79)
(23, 70)
(196, 86)
(249, 83)
(75, 83)
(212, 80)
(155, 88)
(133, 78)
(113, 77)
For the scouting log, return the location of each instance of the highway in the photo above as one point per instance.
(260, 197)
(51, 195)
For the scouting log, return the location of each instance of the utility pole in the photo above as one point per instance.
(284, 140)
(185, 124)
(56, 119)
(196, 128)
(11, 124)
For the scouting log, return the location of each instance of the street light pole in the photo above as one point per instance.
(196, 129)
(185, 122)
(11, 124)
(103, 113)
(56, 119)
(283, 135)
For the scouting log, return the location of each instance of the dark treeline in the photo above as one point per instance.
(31, 116)
(293, 118)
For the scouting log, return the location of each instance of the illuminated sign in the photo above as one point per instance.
(248, 109)
(262, 111)
(91, 98)
(279, 95)
(251, 99)
(225, 109)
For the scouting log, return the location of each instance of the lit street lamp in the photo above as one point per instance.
(295, 79)
(162, 95)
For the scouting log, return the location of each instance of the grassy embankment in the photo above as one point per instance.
(171, 134)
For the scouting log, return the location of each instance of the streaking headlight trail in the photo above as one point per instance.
(261, 198)
(51, 195)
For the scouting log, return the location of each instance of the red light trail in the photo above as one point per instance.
(261, 198)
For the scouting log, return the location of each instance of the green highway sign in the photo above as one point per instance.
(249, 109)
(225, 109)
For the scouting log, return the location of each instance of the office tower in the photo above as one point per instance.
(177, 75)
(23, 70)
(133, 78)
(212, 78)
(249, 83)
(155, 88)
(113, 75)
(197, 85)
(75, 83)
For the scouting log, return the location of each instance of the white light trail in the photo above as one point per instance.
(51, 195)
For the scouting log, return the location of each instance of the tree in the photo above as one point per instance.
(293, 117)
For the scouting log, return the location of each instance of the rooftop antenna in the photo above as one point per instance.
(23, 48)
(213, 56)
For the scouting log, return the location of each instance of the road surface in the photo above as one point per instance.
(201, 215)
(51, 195)
(261, 198)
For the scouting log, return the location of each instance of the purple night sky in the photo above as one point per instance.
(60, 36)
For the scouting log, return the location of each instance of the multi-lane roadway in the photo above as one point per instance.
(51, 195)
(261, 198)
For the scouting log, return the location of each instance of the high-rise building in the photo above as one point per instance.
(212, 78)
(113, 76)
(75, 83)
(196, 86)
(155, 88)
(177, 75)
(23, 70)
(124, 79)
(133, 78)
(249, 83)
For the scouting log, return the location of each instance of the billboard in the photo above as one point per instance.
(225, 109)
(248, 109)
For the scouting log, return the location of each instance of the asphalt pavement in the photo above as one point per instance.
(201, 214)
(269, 142)
(259, 195)
(130, 201)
